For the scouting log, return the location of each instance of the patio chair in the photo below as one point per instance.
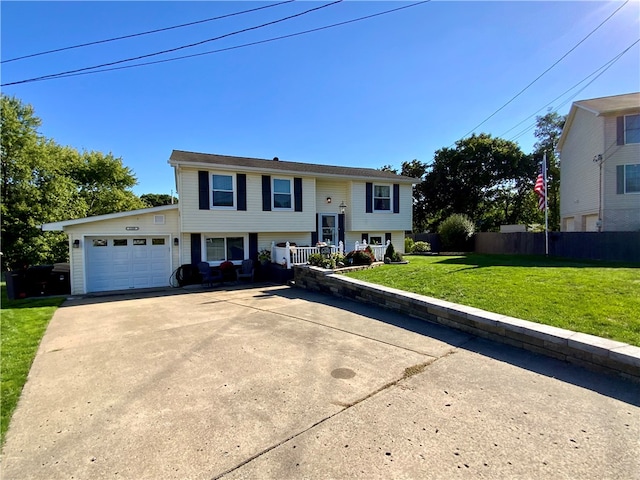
(246, 270)
(208, 276)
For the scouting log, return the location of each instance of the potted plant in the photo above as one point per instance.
(264, 256)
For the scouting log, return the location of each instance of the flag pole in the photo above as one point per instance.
(546, 205)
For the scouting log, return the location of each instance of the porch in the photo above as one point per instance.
(287, 254)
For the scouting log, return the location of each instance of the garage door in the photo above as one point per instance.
(120, 263)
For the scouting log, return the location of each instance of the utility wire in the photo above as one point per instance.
(133, 35)
(599, 71)
(366, 17)
(547, 70)
(54, 75)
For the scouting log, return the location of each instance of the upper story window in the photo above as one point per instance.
(282, 194)
(628, 178)
(222, 190)
(632, 129)
(382, 198)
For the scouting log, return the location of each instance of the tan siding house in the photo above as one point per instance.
(600, 165)
(231, 208)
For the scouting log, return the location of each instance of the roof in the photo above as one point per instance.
(180, 157)
(56, 226)
(604, 106)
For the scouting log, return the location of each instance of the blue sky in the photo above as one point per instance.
(393, 88)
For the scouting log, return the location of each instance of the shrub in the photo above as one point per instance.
(421, 247)
(456, 231)
(408, 244)
(360, 257)
(315, 259)
(391, 254)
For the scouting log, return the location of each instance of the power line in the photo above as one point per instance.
(547, 70)
(602, 69)
(133, 35)
(54, 75)
(366, 17)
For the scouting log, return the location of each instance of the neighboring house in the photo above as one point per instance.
(231, 208)
(600, 165)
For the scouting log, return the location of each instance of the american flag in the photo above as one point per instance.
(541, 192)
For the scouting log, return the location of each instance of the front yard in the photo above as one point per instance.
(21, 328)
(601, 299)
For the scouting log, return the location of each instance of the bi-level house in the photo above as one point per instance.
(231, 208)
(600, 165)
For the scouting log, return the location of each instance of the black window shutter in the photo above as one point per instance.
(266, 193)
(253, 246)
(396, 198)
(341, 227)
(241, 180)
(196, 248)
(365, 237)
(314, 235)
(620, 179)
(620, 130)
(297, 194)
(203, 190)
(369, 198)
(387, 237)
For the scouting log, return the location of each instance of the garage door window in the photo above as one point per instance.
(99, 242)
(157, 241)
(120, 242)
(139, 241)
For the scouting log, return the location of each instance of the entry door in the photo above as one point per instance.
(329, 228)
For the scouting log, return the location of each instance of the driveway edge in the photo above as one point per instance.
(594, 353)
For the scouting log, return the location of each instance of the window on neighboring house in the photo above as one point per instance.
(282, 194)
(628, 178)
(382, 198)
(222, 186)
(221, 249)
(632, 129)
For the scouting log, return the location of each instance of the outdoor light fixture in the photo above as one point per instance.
(343, 207)
(176, 242)
(76, 243)
(328, 199)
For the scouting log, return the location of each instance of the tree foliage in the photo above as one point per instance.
(488, 179)
(157, 199)
(45, 182)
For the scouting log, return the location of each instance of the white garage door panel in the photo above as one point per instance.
(125, 265)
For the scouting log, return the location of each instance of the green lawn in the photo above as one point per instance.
(22, 325)
(601, 299)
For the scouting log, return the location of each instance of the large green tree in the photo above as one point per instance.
(548, 130)
(489, 179)
(158, 199)
(45, 182)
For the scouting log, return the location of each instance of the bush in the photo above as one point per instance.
(391, 254)
(319, 260)
(408, 244)
(360, 257)
(421, 247)
(456, 231)
(315, 259)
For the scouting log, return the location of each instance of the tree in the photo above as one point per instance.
(548, 130)
(44, 182)
(157, 199)
(486, 178)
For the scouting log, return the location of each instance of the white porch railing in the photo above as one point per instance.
(378, 250)
(293, 255)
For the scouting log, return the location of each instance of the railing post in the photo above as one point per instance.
(287, 255)
(357, 246)
(273, 252)
(341, 247)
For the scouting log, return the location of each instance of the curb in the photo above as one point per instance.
(594, 353)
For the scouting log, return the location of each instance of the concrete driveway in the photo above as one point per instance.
(276, 382)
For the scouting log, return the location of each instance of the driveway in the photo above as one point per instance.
(277, 382)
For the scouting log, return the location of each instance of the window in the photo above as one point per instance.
(158, 219)
(632, 129)
(382, 198)
(628, 178)
(120, 242)
(224, 248)
(375, 240)
(139, 241)
(222, 190)
(100, 242)
(282, 193)
(157, 241)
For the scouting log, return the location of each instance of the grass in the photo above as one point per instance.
(598, 298)
(22, 325)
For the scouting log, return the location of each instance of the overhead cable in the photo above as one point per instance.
(169, 50)
(133, 35)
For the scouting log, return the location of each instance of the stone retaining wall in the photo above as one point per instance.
(589, 351)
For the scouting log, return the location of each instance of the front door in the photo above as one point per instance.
(328, 228)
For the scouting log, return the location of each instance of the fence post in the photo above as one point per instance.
(357, 246)
(273, 252)
(287, 255)
(341, 247)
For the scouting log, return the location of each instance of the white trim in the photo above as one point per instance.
(373, 198)
(56, 226)
(234, 191)
(273, 194)
(215, 263)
